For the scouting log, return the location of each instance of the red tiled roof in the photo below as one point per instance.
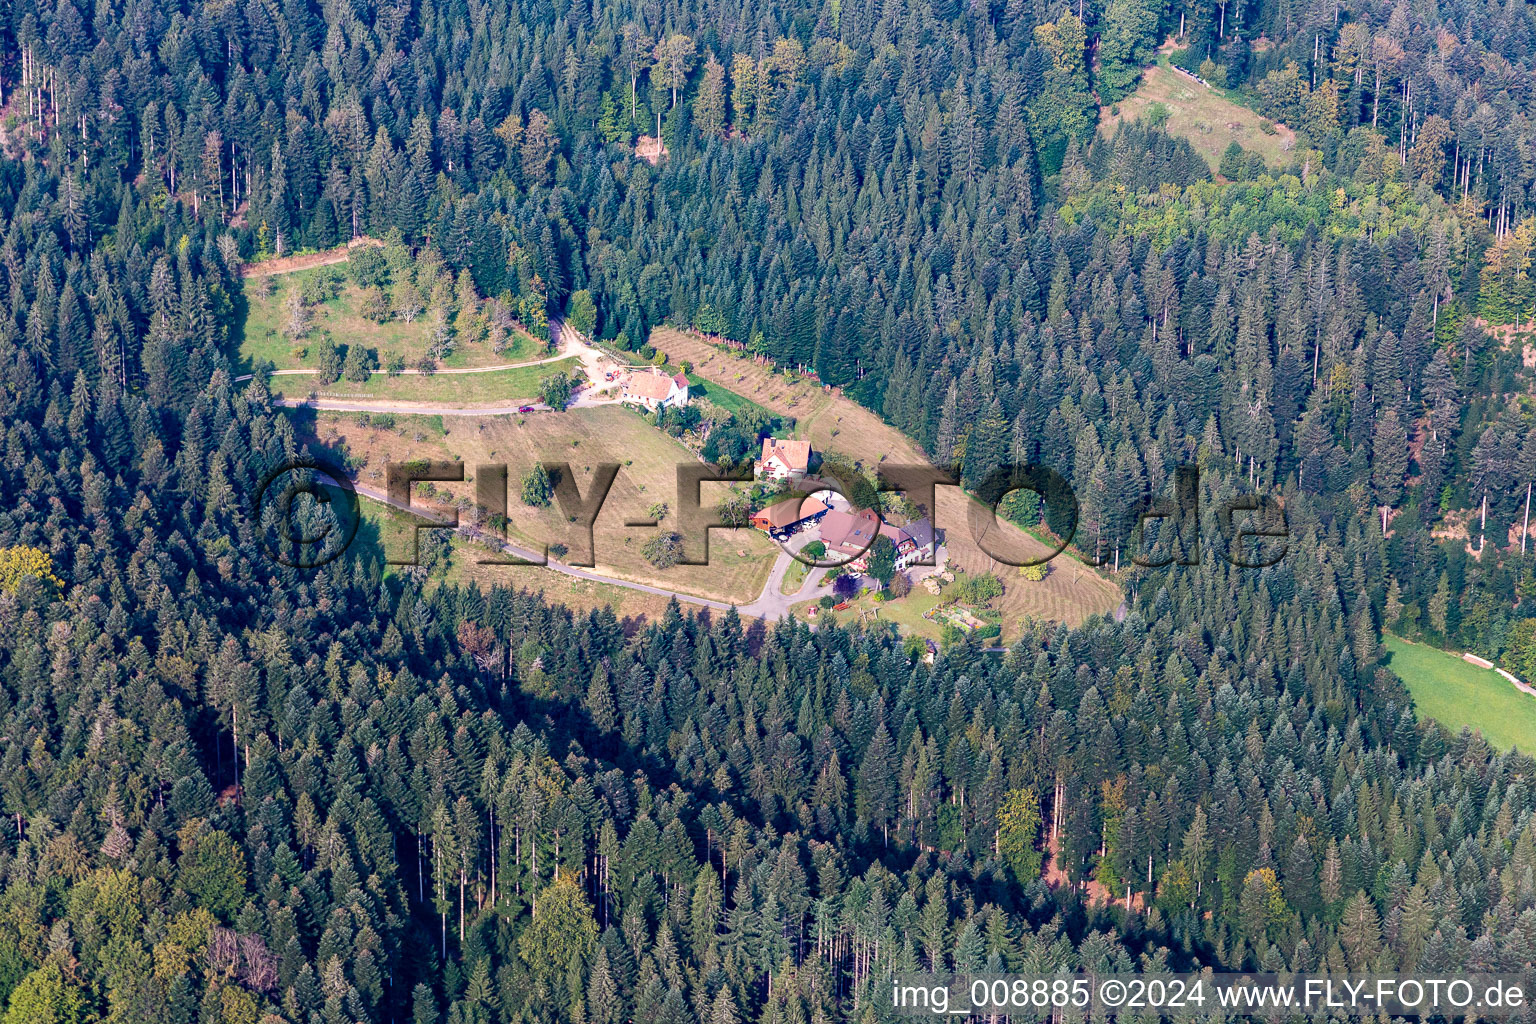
(796, 455)
(653, 384)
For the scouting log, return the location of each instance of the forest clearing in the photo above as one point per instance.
(1201, 114)
(1457, 694)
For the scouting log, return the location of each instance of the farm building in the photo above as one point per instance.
(655, 390)
(788, 517)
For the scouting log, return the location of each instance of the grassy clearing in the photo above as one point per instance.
(1071, 592)
(339, 318)
(740, 560)
(507, 386)
(1456, 693)
(1207, 117)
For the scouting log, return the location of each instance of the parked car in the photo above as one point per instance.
(525, 408)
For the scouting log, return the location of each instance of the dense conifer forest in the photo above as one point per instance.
(235, 792)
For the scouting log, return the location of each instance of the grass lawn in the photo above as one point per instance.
(739, 560)
(794, 577)
(519, 383)
(262, 335)
(730, 401)
(906, 613)
(1457, 693)
(1207, 117)
(831, 422)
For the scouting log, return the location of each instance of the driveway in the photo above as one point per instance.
(772, 603)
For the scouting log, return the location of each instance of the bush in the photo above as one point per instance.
(664, 550)
(1157, 115)
(978, 589)
(555, 390)
(366, 266)
(1035, 573)
(827, 601)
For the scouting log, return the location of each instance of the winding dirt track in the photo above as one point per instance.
(288, 264)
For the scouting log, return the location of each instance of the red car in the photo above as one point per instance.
(525, 408)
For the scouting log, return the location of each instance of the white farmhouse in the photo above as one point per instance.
(655, 390)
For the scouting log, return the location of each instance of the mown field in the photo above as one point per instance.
(740, 560)
(1205, 116)
(1456, 693)
(832, 423)
(338, 316)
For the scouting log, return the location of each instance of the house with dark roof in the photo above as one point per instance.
(917, 542)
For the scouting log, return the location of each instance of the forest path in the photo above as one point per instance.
(288, 264)
(411, 372)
